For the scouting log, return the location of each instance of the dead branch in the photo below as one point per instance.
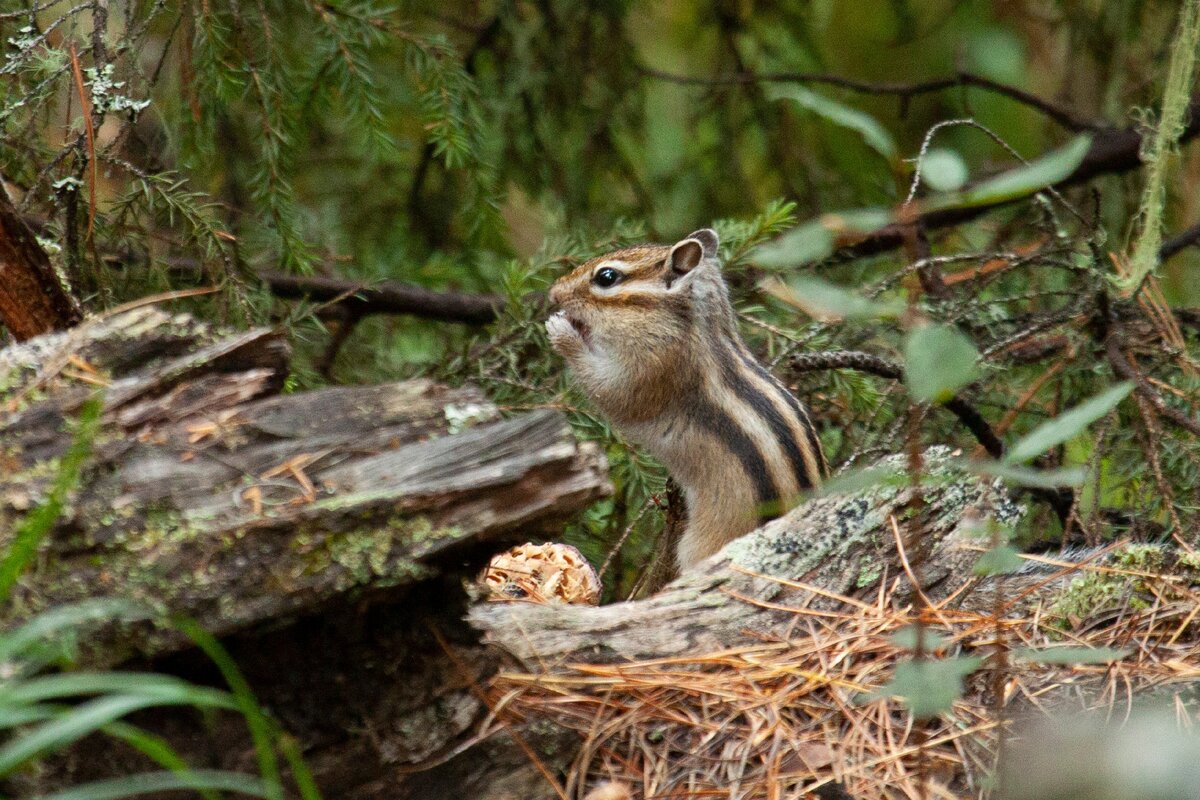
(387, 297)
(1113, 151)
(291, 501)
(1179, 242)
(905, 91)
(839, 545)
(1125, 368)
(875, 365)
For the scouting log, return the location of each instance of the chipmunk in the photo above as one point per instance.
(651, 337)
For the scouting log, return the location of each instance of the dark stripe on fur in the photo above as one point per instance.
(806, 480)
(724, 429)
(769, 412)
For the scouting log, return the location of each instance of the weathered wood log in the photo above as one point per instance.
(273, 518)
(211, 496)
(842, 544)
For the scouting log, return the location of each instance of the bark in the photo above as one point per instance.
(324, 535)
(210, 495)
(33, 299)
(841, 544)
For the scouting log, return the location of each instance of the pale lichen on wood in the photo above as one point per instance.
(840, 544)
(212, 495)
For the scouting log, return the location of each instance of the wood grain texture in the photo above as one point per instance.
(210, 494)
(840, 544)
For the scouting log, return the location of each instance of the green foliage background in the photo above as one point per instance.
(485, 146)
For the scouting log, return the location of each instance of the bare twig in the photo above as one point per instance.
(388, 297)
(1113, 151)
(905, 91)
(1179, 242)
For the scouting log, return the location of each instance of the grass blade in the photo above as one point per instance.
(198, 780)
(31, 530)
(15, 644)
(260, 728)
(164, 688)
(71, 726)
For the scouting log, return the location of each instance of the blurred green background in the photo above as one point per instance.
(486, 146)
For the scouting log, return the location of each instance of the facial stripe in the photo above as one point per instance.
(643, 271)
(814, 458)
(628, 298)
(722, 427)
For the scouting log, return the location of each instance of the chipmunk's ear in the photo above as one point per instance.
(708, 240)
(689, 252)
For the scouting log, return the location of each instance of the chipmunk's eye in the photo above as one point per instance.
(606, 277)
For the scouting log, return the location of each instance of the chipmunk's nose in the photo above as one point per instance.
(557, 294)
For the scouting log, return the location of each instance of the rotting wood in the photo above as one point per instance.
(210, 494)
(841, 545)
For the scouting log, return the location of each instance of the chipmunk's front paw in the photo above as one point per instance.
(567, 337)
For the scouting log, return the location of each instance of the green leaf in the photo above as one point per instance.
(825, 301)
(1026, 476)
(15, 716)
(857, 220)
(1067, 425)
(938, 360)
(256, 721)
(809, 241)
(199, 780)
(929, 687)
(906, 637)
(816, 239)
(1071, 655)
(300, 771)
(944, 170)
(874, 134)
(865, 478)
(995, 51)
(159, 750)
(1000, 560)
(52, 623)
(1023, 181)
(161, 688)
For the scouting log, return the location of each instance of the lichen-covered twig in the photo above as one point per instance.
(876, 365)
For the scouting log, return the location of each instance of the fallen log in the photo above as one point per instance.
(327, 535)
(774, 668)
(842, 545)
(324, 534)
(212, 496)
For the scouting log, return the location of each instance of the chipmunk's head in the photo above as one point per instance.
(630, 297)
(628, 319)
